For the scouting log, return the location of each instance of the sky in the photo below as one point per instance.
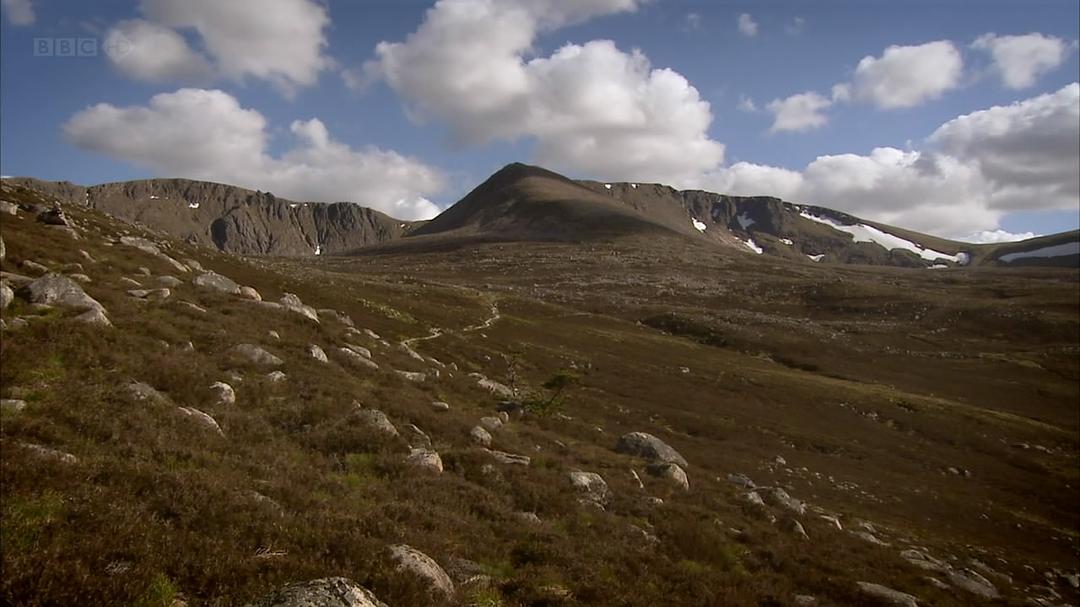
(960, 118)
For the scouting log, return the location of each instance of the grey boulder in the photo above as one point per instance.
(325, 592)
(647, 446)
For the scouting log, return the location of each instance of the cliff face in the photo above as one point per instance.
(233, 219)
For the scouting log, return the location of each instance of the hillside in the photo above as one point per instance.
(183, 426)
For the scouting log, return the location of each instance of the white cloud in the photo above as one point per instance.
(591, 108)
(19, 12)
(906, 76)
(1028, 150)
(281, 41)
(977, 168)
(148, 51)
(795, 27)
(747, 25)
(206, 134)
(1020, 60)
(692, 21)
(799, 113)
(746, 104)
(996, 236)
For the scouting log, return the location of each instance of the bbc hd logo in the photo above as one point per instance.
(116, 46)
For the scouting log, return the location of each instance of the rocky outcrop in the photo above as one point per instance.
(325, 592)
(58, 290)
(647, 446)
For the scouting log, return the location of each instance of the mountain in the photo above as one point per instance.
(230, 218)
(522, 203)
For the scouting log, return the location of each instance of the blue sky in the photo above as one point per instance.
(972, 106)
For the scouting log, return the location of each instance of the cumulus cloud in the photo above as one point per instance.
(746, 104)
(206, 134)
(747, 25)
(19, 12)
(996, 236)
(1020, 60)
(975, 169)
(280, 41)
(151, 52)
(799, 113)
(591, 108)
(1028, 150)
(906, 76)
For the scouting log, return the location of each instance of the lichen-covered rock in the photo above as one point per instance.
(325, 592)
(417, 563)
(647, 446)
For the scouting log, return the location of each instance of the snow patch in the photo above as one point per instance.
(293, 205)
(787, 241)
(633, 185)
(699, 226)
(753, 246)
(864, 233)
(939, 266)
(744, 220)
(607, 185)
(193, 205)
(318, 249)
(152, 197)
(1057, 250)
(816, 257)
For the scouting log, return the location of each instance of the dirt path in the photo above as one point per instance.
(407, 344)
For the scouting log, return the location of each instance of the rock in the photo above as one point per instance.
(254, 354)
(16, 280)
(973, 583)
(361, 350)
(440, 406)
(3, 251)
(491, 423)
(888, 595)
(357, 360)
(832, 520)
(317, 353)
(795, 528)
(480, 436)
(50, 454)
(86, 256)
(426, 459)
(804, 600)
(17, 324)
(144, 392)
(250, 293)
(292, 303)
(529, 518)
(511, 459)
(511, 408)
(492, 386)
(203, 419)
(224, 392)
(130, 282)
(866, 536)
(754, 499)
(83, 278)
(273, 335)
(54, 217)
(276, 377)
(372, 334)
(779, 461)
(338, 316)
(649, 447)
(936, 583)
(143, 271)
(169, 281)
(417, 437)
(194, 265)
(673, 473)
(778, 497)
(924, 561)
(6, 296)
(376, 420)
(150, 294)
(217, 282)
(411, 375)
(591, 487)
(142, 244)
(417, 563)
(191, 306)
(34, 267)
(504, 417)
(12, 405)
(10, 209)
(325, 592)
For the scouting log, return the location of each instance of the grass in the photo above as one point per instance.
(866, 412)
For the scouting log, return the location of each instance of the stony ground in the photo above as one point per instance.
(607, 424)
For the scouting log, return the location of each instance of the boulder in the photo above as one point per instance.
(440, 406)
(417, 437)
(338, 316)
(217, 282)
(376, 420)
(224, 393)
(324, 592)
(203, 419)
(253, 354)
(273, 335)
(250, 293)
(361, 350)
(57, 290)
(492, 386)
(491, 423)
(10, 209)
(150, 294)
(480, 436)
(672, 473)
(425, 459)
(591, 488)
(169, 281)
(511, 459)
(142, 244)
(276, 377)
(741, 480)
(973, 583)
(511, 408)
(795, 528)
(83, 278)
(411, 560)
(34, 267)
(292, 303)
(144, 392)
(6, 296)
(778, 497)
(804, 600)
(317, 353)
(130, 282)
(411, 375)
(54, 217)
(12, 405)
(357, 360)
(94, 316)
(372, 334)
(50, 454)
(647, 446)
(888, 595)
